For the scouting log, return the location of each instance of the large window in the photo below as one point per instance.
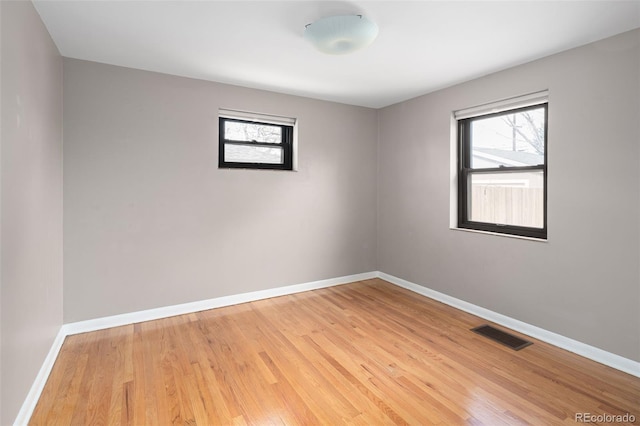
(252, 141)
(502, 168)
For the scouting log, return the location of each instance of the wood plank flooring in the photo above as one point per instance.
(365, 353)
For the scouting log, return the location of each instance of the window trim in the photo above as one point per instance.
(286, 144)
(464, 170)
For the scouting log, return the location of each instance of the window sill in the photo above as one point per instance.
(261, 169)
(497, 234)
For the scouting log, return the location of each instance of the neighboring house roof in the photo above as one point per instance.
(508, 158)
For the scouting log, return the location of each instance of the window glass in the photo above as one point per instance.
(515, 198)
(253, 154)
(248, 143)
(515, 139)
(243, 131)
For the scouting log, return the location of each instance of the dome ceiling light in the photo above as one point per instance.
(337, 35)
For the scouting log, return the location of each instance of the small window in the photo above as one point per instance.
(502, 169)
(252, 141)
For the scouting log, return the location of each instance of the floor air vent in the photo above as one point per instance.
(500, 336)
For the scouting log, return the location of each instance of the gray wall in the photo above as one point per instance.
(31, 199)
(150, 220)
(584, 282)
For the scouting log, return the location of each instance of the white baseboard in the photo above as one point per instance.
(203, 305)
(587, 351)
(33, 396)
(591, 352)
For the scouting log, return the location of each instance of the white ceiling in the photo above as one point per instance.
(422, 45)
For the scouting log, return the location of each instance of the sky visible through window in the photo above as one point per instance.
(518, 132)
(241, 131)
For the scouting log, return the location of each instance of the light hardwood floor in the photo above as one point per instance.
(363, 353)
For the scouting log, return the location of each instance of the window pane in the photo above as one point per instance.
(253, 154)
(510, 198)
(508, 140)
(239, 131)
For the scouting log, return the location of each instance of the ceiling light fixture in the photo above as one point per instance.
(337, 35)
